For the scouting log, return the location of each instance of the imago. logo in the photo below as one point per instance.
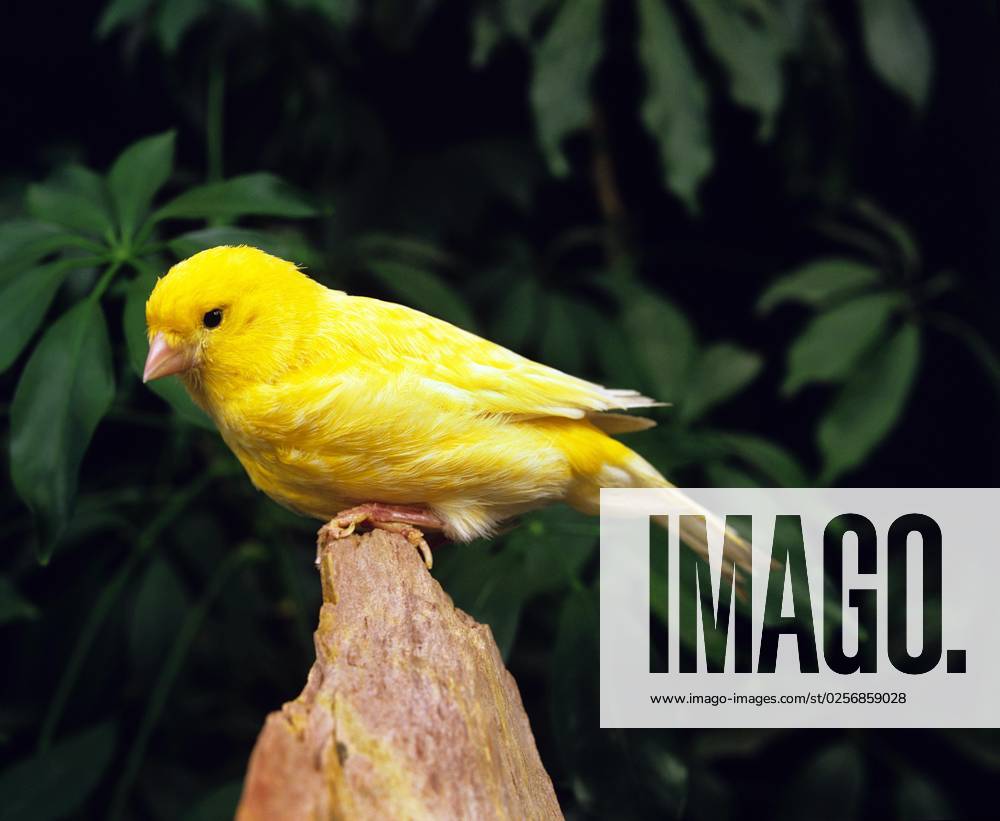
(798, 607)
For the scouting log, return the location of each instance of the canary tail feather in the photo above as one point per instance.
(615, 423)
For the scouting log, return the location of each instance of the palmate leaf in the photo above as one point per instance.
(818, 283)
(675, 110)
(25, 242)
(73, 209)
(64, 391)
(751, 53)
(834, 341)
(134, 321)
(560, 85)
(898, 46)
(252, 194)
(24, 301)
(138, 173)
(869, 404)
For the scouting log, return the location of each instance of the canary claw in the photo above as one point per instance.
(416, 538)
(341, 529)
(385, 517)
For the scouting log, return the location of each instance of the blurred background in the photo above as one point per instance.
(779, 215)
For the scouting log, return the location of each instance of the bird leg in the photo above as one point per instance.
(401, 519)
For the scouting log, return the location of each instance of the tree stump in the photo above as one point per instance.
(408, 711)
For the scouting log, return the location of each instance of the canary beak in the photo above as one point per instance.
(162, 360)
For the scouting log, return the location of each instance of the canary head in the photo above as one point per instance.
(228, 312)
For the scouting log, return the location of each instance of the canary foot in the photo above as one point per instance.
(401, 519)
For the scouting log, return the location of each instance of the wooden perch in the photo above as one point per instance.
(408, 711)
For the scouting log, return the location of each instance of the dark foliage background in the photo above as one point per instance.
(778, 214)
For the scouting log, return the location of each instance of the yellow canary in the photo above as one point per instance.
(332, 401)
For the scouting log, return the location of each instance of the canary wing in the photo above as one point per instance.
(466, 369)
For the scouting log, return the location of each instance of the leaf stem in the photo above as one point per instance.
(104, 281)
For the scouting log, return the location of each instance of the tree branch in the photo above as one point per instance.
(408, 711)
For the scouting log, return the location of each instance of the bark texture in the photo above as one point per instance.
(408, 711)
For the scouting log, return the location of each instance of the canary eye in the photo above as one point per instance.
(212, 318)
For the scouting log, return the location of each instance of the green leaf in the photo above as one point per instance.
(160, 607)
(56, 783)
(70, 208)
(13, 606)
(134, 321)
(258, 194)
(24, 301)
(65, 389)
(487, 33)
(564, 63)
(818, 283)
(664, 341)
(769, 459)
(119, 12)
(175, 18)
(494, 21)
(750, 51)
(138, 173)
(675, 109)
(869, 404)
(24, 242)
(835, 340)
(81, 180)
(899, 47)
(721, 371)
(423, 290)
(287, 245)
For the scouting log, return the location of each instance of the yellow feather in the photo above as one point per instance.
(330, 400)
